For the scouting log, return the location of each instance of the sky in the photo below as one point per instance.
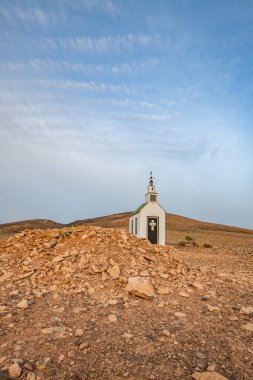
(96, 93)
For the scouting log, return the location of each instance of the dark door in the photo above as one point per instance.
(153, 229)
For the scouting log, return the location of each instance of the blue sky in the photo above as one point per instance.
(95, 94)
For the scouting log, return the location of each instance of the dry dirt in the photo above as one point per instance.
(65, 312)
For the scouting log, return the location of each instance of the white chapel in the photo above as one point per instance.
(148, 220)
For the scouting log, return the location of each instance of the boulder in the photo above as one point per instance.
(140, 287)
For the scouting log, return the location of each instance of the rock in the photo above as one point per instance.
(79, 332)
(127, 336)
(183, 294)
(163, 290)
(84, 345)
(2, 359)
(166, 332)
(178, 314)
(53, 243)
(208, 376)
(30, 376)
(248, 327)
(3, 309)
(113, 302)
(24, 304)
(113, 318)
(211, 367)
(197, 285)
(58, 259)
(15, 371)
(5, 276)
(53, 330)
(140, 287)
(43, 363)
(214, 309)
(234, 318)
(114, 272)
(60, 358)
(247, 310)
(144, 273)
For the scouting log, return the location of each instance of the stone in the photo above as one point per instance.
(113, 302)
(79, 332)
(2, 359)
(183, 294)
(43, 363)
(211, 367)
(214, 309)
(3, 309)
(24, 304)
(163, 290)
(114, 272)
(113, 318)
(53, 243)
(54, 330)
(208, 376)
(144, 273)
(166, 332)
(30, 376)
(234, 318)
(58, 259)
(248, 327)
(15, 371)
(5, 276)
(178, 314)
(247, 310)
(140, 287)
(197, 285)
(84, 345)
(127, 336)
(60, 358)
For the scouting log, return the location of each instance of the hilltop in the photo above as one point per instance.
(174, 224)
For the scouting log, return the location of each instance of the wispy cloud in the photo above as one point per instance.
(107, 44)
(86, 86)
(60, 66)
(31, 15)
(107, 6)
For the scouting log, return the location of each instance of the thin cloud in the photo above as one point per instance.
(86, 86)
(63, 66)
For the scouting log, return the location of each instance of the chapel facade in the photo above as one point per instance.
(148, 220)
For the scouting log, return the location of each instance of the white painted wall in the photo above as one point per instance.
(153, 209)
(134, 217)
(150, 209)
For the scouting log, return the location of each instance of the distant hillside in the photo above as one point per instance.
(176, 226)
(9, 229)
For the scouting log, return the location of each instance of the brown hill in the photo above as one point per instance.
(177, 227)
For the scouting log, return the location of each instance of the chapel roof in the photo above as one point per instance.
(138, 209)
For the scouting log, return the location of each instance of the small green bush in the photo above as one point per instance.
(182, 243)
(188, 238)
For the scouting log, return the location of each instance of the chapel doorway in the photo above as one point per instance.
(153, 229)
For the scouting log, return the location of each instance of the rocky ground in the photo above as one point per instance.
(97, 303)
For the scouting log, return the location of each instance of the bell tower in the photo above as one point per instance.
(151, 195)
